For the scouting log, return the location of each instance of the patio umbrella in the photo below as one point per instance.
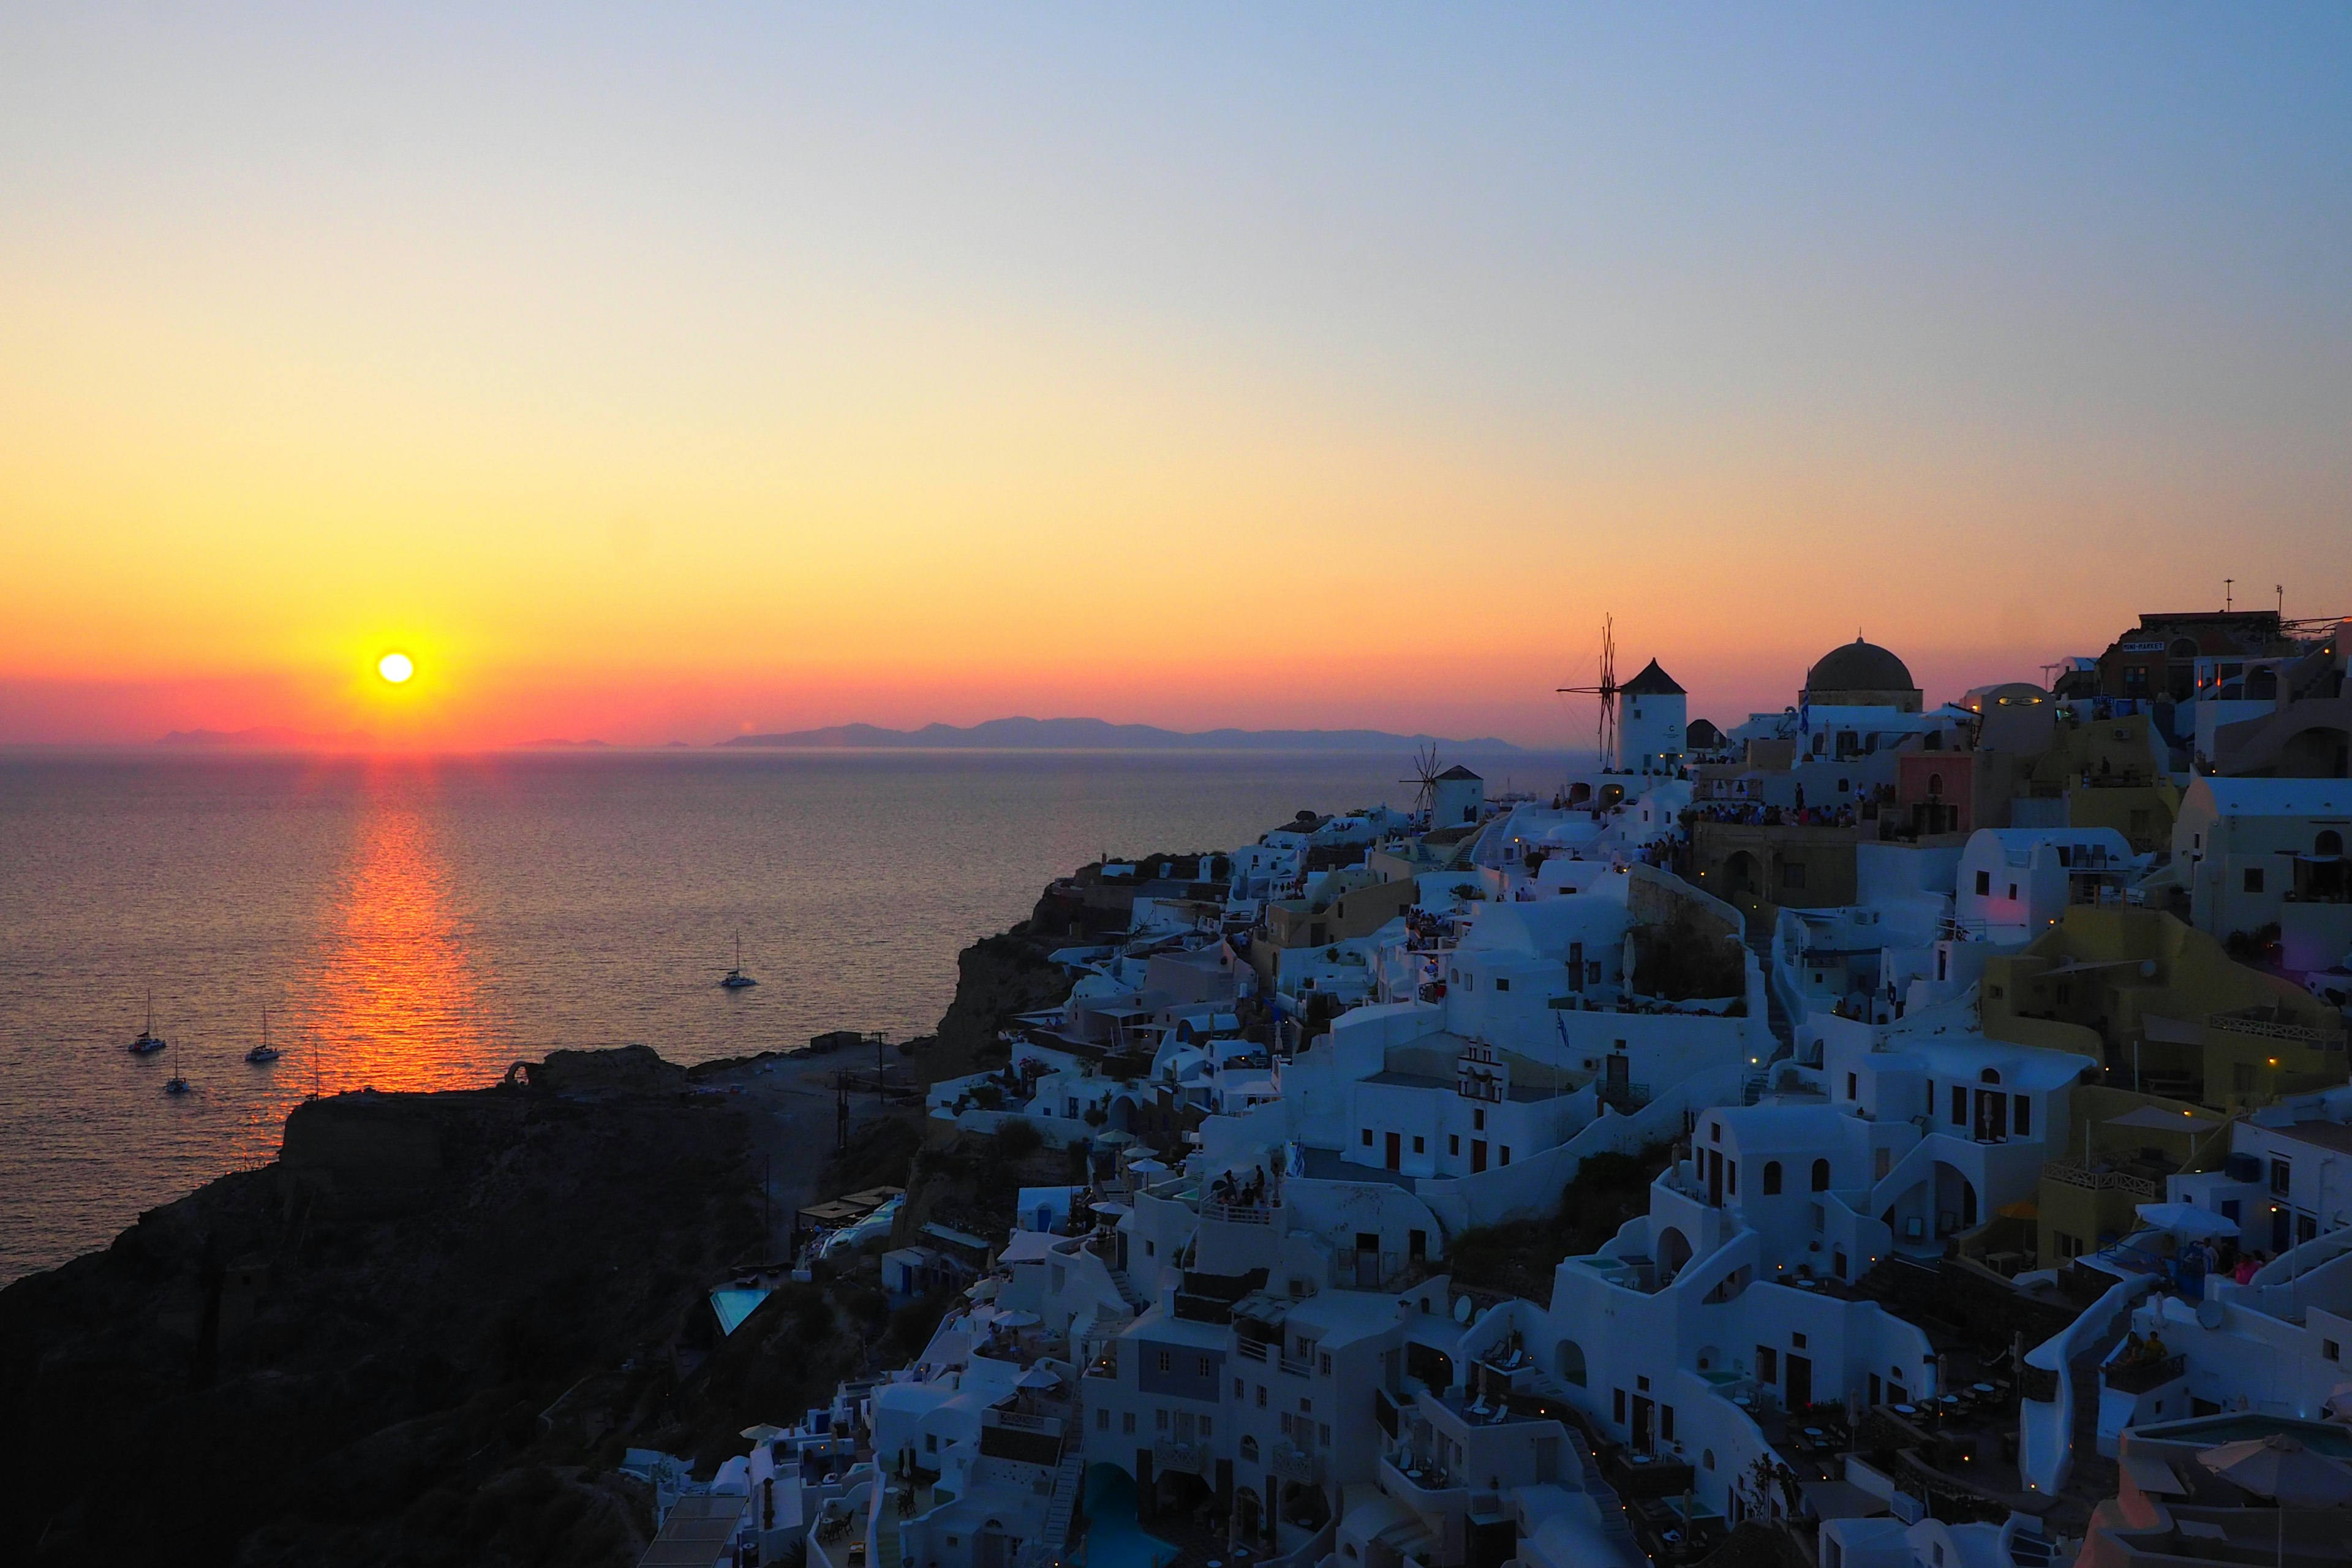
(2339, 1401)
(2187, 1219)
(762, 1432)
(1037, 1377)
(2280, 1467)
(1018, 1320)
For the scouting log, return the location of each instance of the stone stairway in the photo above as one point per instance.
(2092, 1473)
(1127, 1292)
(1064, 1509)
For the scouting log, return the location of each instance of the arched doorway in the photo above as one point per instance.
(1956, 1200)
(1569, 1363)
(1249, 1514)
(1305, 1506)
(1743, 873)
(1673, 1250)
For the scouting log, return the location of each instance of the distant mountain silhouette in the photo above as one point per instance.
(1098, 735)
(268, 735)
(560, 746)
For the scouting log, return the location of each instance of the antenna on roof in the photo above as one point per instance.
(2228, 583)
(1605, 725)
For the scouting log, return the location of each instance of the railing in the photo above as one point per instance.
(1418, 1470)
(1254, 1349)
(1020, 1422)
(1293, 1463)
(2239, 1023)
(1297, 1366)
(1237, 1214)
(1623, 1098)
(1190, 1458)
(2072, 1175)
(2138, 1377)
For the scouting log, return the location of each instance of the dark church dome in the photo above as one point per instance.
(1859, 666)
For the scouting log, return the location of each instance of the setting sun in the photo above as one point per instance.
(395, 668)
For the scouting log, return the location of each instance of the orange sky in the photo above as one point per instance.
(660, 384)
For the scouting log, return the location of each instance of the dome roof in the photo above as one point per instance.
(1859, 666)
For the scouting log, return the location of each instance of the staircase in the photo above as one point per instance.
(2028, 1549)
(1137, 1301)
(1065, 1506)
(2091, 1468)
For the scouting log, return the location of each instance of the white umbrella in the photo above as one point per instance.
(2187, 1219)
(762, 1432)
(1037, 1377)
(2280, 1467)
(1019, 1320)
(2339, 1401)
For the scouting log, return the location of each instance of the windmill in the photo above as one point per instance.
(1605, 726)
(1424, 779)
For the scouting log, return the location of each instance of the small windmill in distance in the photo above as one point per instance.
(1605, 726)
(1424, 782)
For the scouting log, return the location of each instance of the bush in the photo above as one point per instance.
(1018, 1139)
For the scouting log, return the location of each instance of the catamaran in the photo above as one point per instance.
(265, 1053)
(149, 1042)
(736, 979)
(175, 1084)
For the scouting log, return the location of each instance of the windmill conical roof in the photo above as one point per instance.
(1652, 682)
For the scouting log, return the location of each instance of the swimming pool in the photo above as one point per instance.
(1113, 1538)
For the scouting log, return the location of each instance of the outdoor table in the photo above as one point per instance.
(1906, 1410)
(1982, 1387)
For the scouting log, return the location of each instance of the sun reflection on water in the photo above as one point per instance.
(396, 1002)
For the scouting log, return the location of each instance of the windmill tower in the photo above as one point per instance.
(1605, 723)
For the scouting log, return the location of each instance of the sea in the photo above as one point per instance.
(424, 923)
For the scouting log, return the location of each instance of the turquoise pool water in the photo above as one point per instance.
(1114, 1539)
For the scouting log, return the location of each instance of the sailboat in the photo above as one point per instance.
(149, 1042)
(265, 1053)
(736, 979)
(175, 1084)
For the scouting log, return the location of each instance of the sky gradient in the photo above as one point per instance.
(653, 375)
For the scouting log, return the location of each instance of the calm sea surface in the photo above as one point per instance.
(422, 923)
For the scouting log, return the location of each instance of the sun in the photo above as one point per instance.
(395, 668)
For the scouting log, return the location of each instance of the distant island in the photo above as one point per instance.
(268, 735)
(554, 744)
(1100, 734)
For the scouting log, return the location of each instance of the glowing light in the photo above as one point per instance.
(395, 668)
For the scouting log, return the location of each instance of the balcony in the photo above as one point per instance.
(2140, 1377)
(2068, 1173)
(1193, 1459)
(1293, 1463)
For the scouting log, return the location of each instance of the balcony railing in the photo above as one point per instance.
(2139, 1377)
(1237, 1214)
(1190, 1458)
(2073, 1175)
(1293, 1463)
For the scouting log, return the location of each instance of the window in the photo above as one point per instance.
(1853, 1087)
(1507, 1153)
(1731, 1177)
(1166, 1361)
(1367, 1136)
(1771, 1178)
(1323, 1363)
(1323, 1432)
(2331, 1350)
(1453, 1142)
(1261, 1396)
(1126, 1422)
(2012, 892)
(1420, 1145)
(2282, 1171)
(1208, 1426)
(1201, 1367)
(1715, 1132)
(1768, 1364)
(1820, 1175)
(1238, 1387)
(2253, 879)
(1479, 1122)
(1984, 884)
(1102, 1420)
(1159, 1421)
(2021, 1117)
(1306, 1406)
(1502, 982)
(1959, 1106)
(1249, 1450)
(1150, 1249)
(1617, 1406)
(1666, 1422)
(1797, 1341)
(1793, 873)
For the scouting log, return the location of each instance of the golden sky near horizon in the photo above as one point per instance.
(657, 381)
